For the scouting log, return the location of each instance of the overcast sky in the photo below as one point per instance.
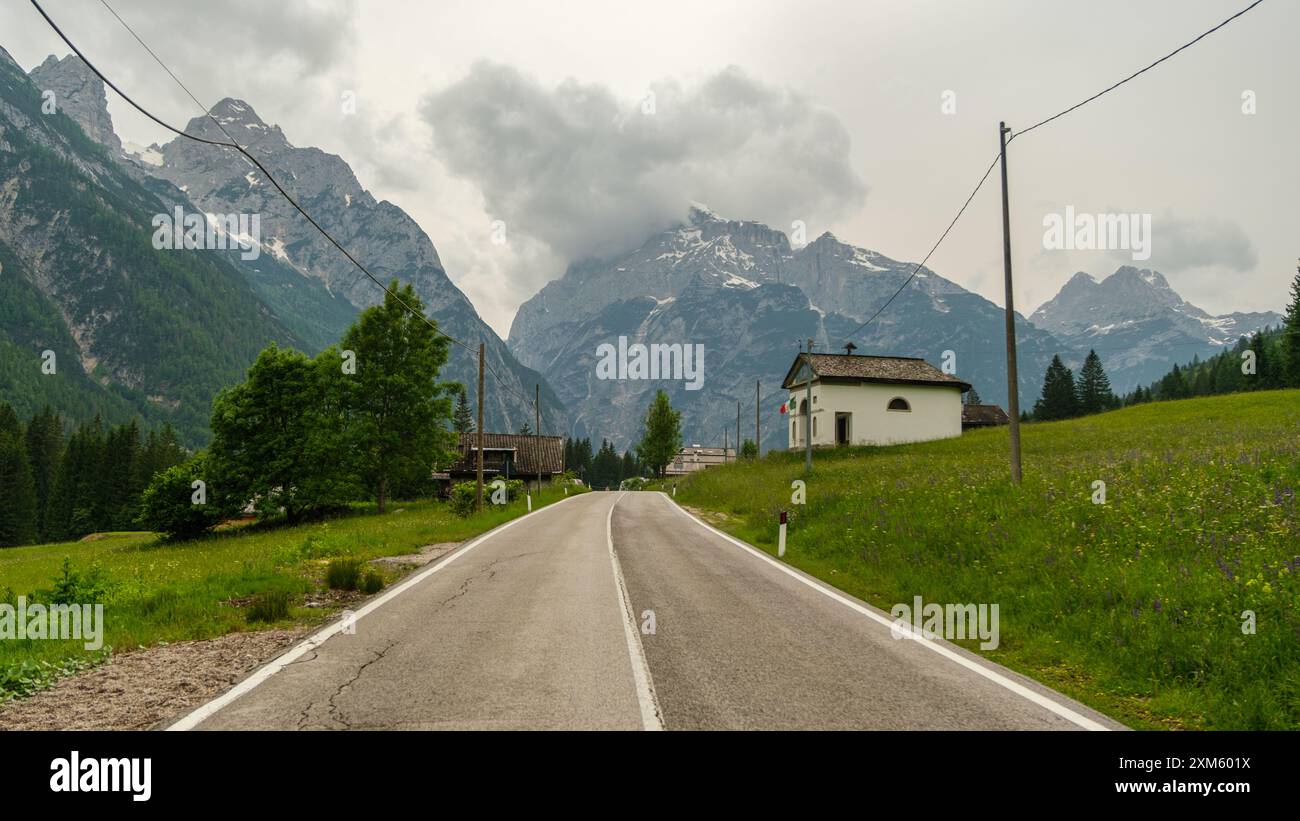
(539, 114)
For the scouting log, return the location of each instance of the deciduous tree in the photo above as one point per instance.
(662, 437)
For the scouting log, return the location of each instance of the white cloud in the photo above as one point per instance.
(590, 174)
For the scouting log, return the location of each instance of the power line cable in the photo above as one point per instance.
(1135, 74)
(933, 248)
(1039, 124)
(233, 143)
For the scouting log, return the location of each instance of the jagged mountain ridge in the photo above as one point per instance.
(134, 330)
(681, 283)
(314, 290)
(1139, 325)
(377, 232)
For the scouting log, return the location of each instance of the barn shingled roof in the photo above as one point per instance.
(904, 370)
(530, 452)
(983, 415)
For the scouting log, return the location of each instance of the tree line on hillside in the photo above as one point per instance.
(1223, 372)
(1267, 360)
(604, 467)
(59, 485)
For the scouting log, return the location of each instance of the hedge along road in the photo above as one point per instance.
(622, 611)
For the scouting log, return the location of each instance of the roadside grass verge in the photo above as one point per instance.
(1134, 607)
(158, 591)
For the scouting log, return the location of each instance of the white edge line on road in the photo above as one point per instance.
(992, 675)
(651, 718)
(207, 710)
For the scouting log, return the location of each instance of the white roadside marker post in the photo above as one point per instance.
(780, 542)
(529, 497)
(674, 491)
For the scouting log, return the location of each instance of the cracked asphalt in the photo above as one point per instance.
(526, 631)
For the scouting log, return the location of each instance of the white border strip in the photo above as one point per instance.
(206, 711)
(992, 675)
(645, 688)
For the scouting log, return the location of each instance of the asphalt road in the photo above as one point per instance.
(621, 611)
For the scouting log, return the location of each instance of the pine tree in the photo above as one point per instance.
(630, 468)
(463, 419)
(44, 450)
(606, 466)
(160, 451)
(582, 455)
(1263, 378)
(1094, 394)
(973, 397)
(9, 422)
(525, 430)
(1291, 337)
(18, 524)
(76, 503)
(120, 482)
(1059, 399)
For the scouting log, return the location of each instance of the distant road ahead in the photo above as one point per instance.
(528, 628)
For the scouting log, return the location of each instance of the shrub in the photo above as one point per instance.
(463, 496)
(168, 505)
(343, 574)
(270, 606)
(74, 587)
(372, 582)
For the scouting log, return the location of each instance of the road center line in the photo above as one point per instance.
(651, 718)
(206, 711)
(992, 675)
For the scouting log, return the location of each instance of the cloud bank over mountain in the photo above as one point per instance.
(590, 174)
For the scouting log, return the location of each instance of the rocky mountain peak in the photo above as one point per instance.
(701, 214)
(1128, 274)
(80, 94)
(1140, 320)
(241, 121)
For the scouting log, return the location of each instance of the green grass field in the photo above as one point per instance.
(1133, 606)
(156, 591)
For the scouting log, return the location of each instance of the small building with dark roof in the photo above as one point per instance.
(870, 400)
(983, 416)
(506, 455)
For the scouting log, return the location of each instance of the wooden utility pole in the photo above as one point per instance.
(537, 442)
(758, 390)
(807, 423)
(737, 430)
(1013, 384)
(478, 503)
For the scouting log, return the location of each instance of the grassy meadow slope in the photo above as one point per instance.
(1133, 606)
